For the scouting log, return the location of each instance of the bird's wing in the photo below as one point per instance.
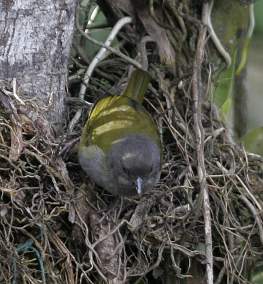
(92, 160)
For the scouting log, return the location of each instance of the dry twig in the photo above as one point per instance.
(199, 132)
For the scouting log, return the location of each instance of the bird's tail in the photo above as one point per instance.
(137, 85)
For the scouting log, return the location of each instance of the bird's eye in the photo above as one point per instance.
(125, 170)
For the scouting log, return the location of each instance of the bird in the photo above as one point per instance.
(120, 147)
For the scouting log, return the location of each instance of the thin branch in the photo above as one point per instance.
(143, 51)
(249, 193)
(256, 215)
(15, 94)
(199, 132)
(119, 25)
(219, 46)
(98, 57)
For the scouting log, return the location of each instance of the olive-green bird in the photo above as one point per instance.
(120, 148)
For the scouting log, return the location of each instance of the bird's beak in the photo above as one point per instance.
(139, 185)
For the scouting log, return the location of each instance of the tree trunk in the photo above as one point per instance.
(34, 49)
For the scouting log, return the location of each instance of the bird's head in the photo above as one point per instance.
(134, 162)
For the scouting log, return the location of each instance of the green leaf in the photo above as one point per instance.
(259, 19)
(253, 141)
(258, 278)
(99, 34)
(226, 108)
(224, 86)
(234, 35)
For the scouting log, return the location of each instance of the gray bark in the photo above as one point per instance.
(35, 38)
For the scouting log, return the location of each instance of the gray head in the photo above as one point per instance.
(134, 163)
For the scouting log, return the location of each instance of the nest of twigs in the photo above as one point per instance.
(57, 227)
